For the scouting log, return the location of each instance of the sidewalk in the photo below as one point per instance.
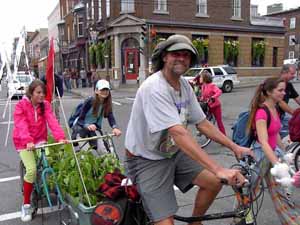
(129, 90)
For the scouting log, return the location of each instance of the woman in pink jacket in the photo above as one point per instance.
(210, 93)
(32, 115)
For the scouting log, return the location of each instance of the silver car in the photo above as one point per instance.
(225, 77)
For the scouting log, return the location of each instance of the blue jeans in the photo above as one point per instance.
(284, 131)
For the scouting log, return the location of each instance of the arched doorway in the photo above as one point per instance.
(130, 59)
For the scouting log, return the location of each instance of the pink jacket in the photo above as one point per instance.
(211, 91)
(31, 126)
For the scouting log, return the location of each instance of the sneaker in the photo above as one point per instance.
(26, 212)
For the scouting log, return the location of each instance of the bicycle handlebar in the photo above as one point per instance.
(74, 141)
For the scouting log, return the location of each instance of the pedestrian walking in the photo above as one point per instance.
(210, 93)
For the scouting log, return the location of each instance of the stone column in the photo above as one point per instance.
(142, 69)
(117, 76)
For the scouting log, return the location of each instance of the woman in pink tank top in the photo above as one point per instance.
(268, 149)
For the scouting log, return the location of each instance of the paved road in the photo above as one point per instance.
(233, 103)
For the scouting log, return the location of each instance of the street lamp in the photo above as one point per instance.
(93, 35)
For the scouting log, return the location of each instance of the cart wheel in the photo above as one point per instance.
(34, 202)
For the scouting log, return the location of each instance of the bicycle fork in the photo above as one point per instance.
(50, 171)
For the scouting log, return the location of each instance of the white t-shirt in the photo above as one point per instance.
(157, 107)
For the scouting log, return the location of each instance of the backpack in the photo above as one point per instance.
(76, 112)
(239, 129)
(294, 126)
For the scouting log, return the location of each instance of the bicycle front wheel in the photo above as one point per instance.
(203, 140)
(297, 156)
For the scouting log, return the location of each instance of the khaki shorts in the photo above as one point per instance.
(155, 180)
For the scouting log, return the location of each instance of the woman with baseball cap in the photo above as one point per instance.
(93, 111)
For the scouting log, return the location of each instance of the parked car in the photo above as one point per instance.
(225, 77)
(17, 87)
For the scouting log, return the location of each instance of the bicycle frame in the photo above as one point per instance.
(243, 198)
(44, 169)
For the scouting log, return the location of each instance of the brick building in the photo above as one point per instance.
(131, 28)
(292, 35)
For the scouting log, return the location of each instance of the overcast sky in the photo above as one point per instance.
(287, 4)
(14, 14)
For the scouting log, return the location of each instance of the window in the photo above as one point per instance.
(258, 52)
(92, 10)
(293, 23)
(99, 10)
(218, 72)
(79, 26)
(88, 10)
(229, 70)
(201, 7)
(292, 40)
(127, 6)
(291, 54)
(107, 8)
(161, 5)
(237, 8)
(275, 56)
(231, 50)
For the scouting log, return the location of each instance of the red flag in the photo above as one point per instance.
(50, 72)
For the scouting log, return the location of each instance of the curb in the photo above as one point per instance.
(240, 86)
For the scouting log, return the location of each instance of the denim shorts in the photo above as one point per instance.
(155, 180)
(263, 165)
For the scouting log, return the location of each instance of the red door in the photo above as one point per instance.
(131, 63)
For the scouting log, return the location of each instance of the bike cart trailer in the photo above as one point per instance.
(79, 175)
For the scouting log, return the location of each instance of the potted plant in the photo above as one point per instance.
(231, 51)
(258, 52)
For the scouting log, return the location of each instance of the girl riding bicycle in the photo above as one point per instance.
(92, 113)
(210, 93)
(32, 116)
(264, 121)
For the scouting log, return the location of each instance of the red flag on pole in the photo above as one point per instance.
(50, 72)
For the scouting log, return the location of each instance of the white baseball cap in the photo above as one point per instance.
(102, 84)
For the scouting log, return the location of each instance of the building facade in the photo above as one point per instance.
(292, 34)
(121, 35)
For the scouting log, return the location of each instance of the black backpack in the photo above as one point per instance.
(76, 112)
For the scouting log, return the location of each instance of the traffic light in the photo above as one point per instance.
(144, 32)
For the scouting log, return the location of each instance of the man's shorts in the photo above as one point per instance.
(155, 180)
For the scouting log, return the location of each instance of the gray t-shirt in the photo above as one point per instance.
(157, 107)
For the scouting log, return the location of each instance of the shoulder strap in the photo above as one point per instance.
(268, 115)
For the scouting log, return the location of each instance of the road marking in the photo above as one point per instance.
(131, 99)
(13, 103)
(6, 122)
(116, 103)
(15, 215)
(9, 179)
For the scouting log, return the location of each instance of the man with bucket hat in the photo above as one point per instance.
(160, 151)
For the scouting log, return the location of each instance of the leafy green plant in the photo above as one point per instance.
(258, 49)
(93, 169)
(100, 52)
(92, 56)
(231, 50)
(201, 45)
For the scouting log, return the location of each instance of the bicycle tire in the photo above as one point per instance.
(297, 157)
(201, 138)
